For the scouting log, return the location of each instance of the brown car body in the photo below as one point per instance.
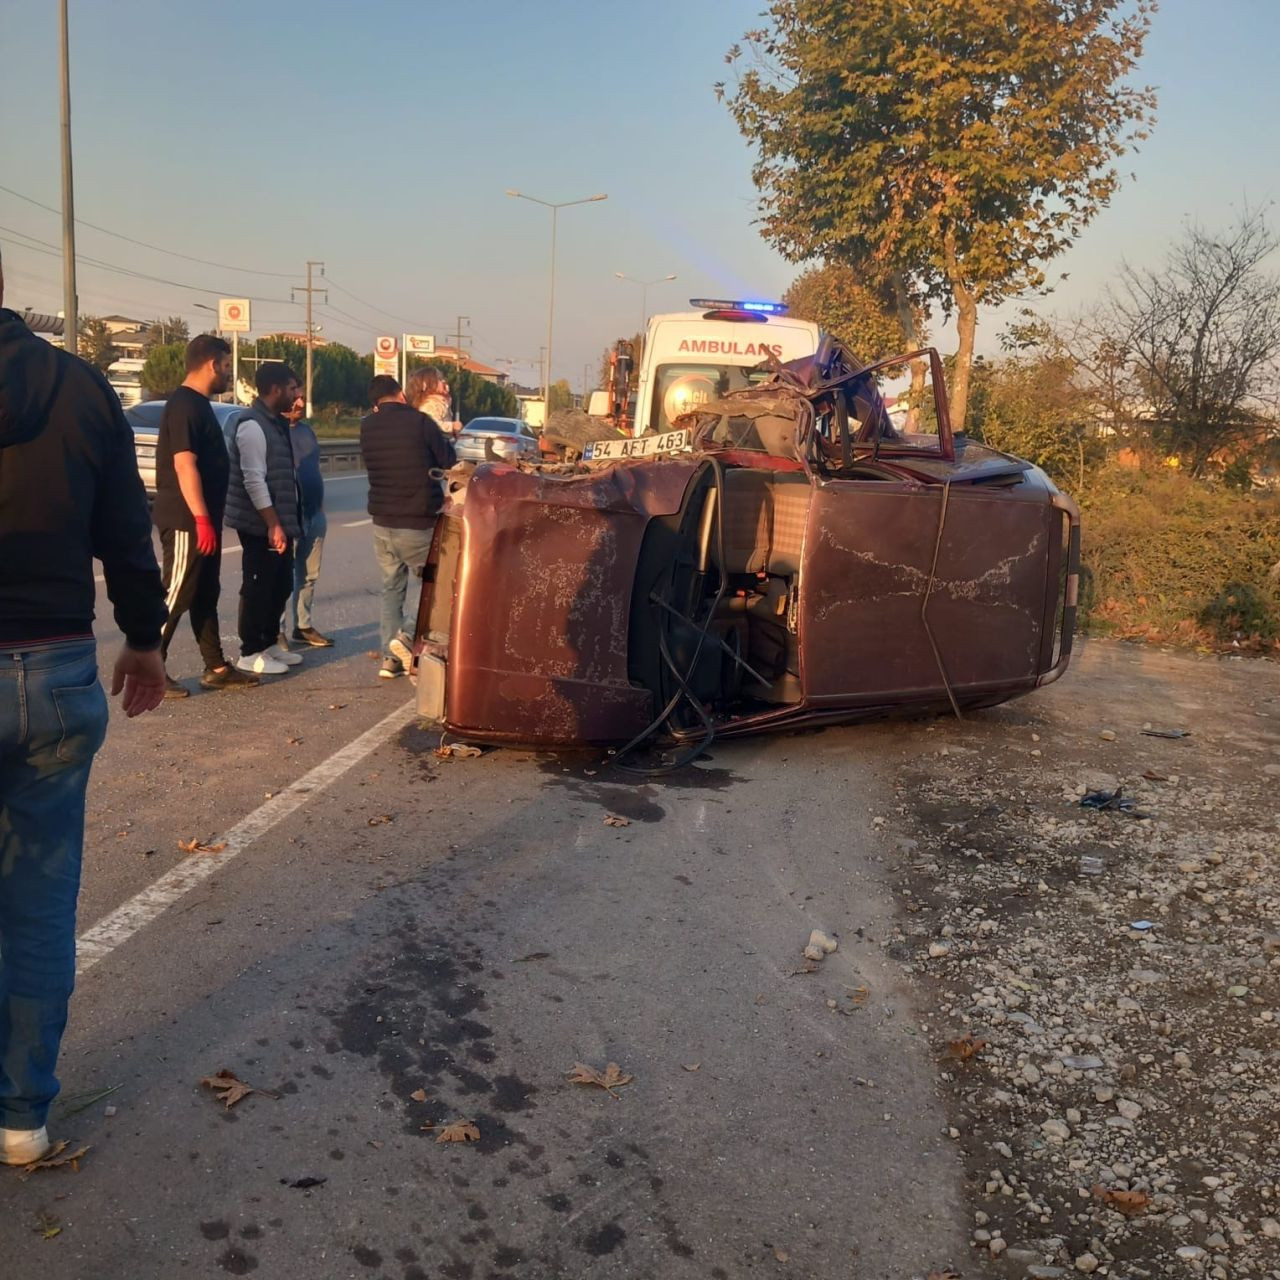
(803, 562)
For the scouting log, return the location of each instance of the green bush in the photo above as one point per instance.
(1170, 558)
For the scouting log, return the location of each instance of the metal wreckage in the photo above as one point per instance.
(789, 557)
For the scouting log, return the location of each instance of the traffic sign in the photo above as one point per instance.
(420, 344)
(385, 353)
(233, 315)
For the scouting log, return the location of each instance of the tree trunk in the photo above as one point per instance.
(911, 332)
(966, 327)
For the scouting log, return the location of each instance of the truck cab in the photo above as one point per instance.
(692, 357)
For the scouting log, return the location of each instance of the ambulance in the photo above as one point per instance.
(696, 356)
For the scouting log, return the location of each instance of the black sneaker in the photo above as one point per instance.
(172, 689)
(228, 678)
(309, 635)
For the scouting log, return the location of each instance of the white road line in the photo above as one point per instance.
(355, 524)
(127, 919)
(346, 475)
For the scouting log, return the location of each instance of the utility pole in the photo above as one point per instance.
(459, 337)
(70, 304)
(309, 289)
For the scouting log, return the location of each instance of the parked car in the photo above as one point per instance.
(145, 417)
(787, 557)
(484, 439)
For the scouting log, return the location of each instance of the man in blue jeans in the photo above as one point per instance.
(308, 552)
(401, 448)
(69, 492)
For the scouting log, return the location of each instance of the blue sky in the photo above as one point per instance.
(380, 138)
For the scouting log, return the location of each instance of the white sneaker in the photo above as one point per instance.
(284, 655)
(400, 647)
(23, 1146)
(261, 664)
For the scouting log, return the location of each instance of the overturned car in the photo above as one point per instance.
(789, 557)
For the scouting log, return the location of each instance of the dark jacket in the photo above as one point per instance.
(69, 491)
(282, 485)
(400, 446)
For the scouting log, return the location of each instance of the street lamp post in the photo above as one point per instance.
(644, 293)
(70, 302)
(551, 306)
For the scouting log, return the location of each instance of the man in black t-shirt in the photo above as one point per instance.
(192, 469)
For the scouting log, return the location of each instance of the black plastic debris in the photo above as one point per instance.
(304, 1183)
(1112, 802)
(1166, 733)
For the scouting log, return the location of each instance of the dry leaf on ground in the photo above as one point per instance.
(57, 1157)
(200, 846)
(419, 1095)
(782, 1255)
(47, 1225)
(859, 995)
(945, 1274)
(230, 1088)
(459, 1131)
(691, 1066)
(609, 1079)
(381, 820)
(457, 751)
(968, 1046)
(1129, 1203)
(613, 820)
(533, 955)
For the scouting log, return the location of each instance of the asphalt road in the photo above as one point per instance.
(391, 943)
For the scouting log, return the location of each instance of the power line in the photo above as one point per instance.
(51, 250)
(430, 324)
(173, 253)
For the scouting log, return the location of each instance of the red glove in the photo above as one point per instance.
(206, 536)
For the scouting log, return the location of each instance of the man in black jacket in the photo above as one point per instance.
(69, 492)
(401, 447)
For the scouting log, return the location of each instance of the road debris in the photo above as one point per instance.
(610, 1079)
(195, 845)
(304, 1184)
(1166, 733)
(230, 1089)
(613, 820)
(457, 751)
(58, 1157)
(47, 1225)
(459, 1131)
(1112, 802)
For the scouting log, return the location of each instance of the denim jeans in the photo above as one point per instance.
(399, 551)
(308, 552)
(53, 718)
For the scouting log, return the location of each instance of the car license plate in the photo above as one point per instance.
(640, 447)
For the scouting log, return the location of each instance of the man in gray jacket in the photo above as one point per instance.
(263, 509)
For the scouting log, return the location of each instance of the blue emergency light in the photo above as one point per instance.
(759, 308)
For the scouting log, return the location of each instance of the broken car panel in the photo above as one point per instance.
(803, 560)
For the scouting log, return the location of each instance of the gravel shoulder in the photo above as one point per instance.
(1105, 985)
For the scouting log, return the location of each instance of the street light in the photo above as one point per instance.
(644, 293)
(551, 307)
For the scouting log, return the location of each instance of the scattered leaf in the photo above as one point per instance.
(46, 1226)
(457, 751)
(304, 1184)
(691, 1066)
(1129, 1203)
(294, 742)
(782, 1255)
(57, 1158)
(381, 820)
(808, 967)
(609, 1079)
(419, 1095)
(945, 1274)
(968, 1046)
(230, 1088)
(533, 955)
(613, 820)
(859, 995)
(1152, 776)
(459, 1131)
(375, 1144)
(336, 706)
(200, 846)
